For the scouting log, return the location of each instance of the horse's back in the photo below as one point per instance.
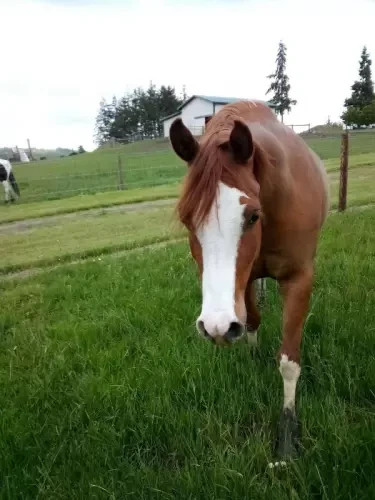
(299, 175)
(294, 197)
(310, 182)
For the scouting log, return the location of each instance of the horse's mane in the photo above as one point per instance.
(202, 180)
(212, 165)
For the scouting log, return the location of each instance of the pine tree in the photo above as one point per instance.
(360, 107)
(355, 116)
(168, 104)
(125, 121)
(136, 115)
(104, 120)
(280, 85)
(150, 111)
(362, 89)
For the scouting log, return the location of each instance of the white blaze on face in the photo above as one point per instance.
(219, 238)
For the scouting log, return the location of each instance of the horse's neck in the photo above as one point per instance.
(273, 175)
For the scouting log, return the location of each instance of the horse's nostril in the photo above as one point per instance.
(235, 331)
(201, 328)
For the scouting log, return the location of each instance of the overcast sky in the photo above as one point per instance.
(60, 57)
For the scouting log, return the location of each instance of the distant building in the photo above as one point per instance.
(19, 155)
(197, 111)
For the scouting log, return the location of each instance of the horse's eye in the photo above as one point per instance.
(251, 220)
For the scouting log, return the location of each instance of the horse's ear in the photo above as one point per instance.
(183, 142)
(241, 142)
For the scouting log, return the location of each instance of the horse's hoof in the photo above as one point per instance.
(288, 445)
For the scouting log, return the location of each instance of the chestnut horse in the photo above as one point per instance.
(254, 201)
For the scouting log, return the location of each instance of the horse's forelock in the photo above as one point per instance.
(201, 183)
(211, 165)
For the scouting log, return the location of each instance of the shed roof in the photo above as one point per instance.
(177, 113)
(214, 100)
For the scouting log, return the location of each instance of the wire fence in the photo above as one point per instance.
(116, 170)
(90, 174)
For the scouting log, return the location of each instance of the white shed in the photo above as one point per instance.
(197, 111)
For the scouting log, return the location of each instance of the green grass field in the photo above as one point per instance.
(94, 234)
(329, 146)
(108, 393)
(108, 198)
(144, 164)
(96, 172)
(24, 211)
(85, 236)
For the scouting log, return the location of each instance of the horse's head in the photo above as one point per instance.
(220, 207)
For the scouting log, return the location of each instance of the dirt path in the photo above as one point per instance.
(55, 220)
(34, 271)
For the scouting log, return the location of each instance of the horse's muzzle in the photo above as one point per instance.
(233, 333)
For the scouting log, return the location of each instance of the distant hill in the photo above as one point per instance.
(324, 130)
(145, 146)
(50, 153)
(38, 153)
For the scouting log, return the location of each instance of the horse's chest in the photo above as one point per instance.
(271, 265)
(283, 253)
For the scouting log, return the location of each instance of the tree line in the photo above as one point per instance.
(139, 113)
(360, 106)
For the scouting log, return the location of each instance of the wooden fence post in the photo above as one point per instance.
(121, 185)
(344, 171)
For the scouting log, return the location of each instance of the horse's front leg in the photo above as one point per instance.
(253, 316)
(7, 191)
(296, 292)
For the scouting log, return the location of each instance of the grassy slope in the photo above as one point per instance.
(108, 393)
(359, 160)
(95, 234)
(361, 186)
(144, 163)
(83, 202)
(95, 172)
(329, 147)
(106, 157)
(86, 236)
(98, 171)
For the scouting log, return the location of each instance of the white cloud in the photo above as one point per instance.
(61, 57)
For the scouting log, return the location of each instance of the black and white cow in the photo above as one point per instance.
(11, 189)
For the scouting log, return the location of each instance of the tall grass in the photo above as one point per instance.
(107, 391)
